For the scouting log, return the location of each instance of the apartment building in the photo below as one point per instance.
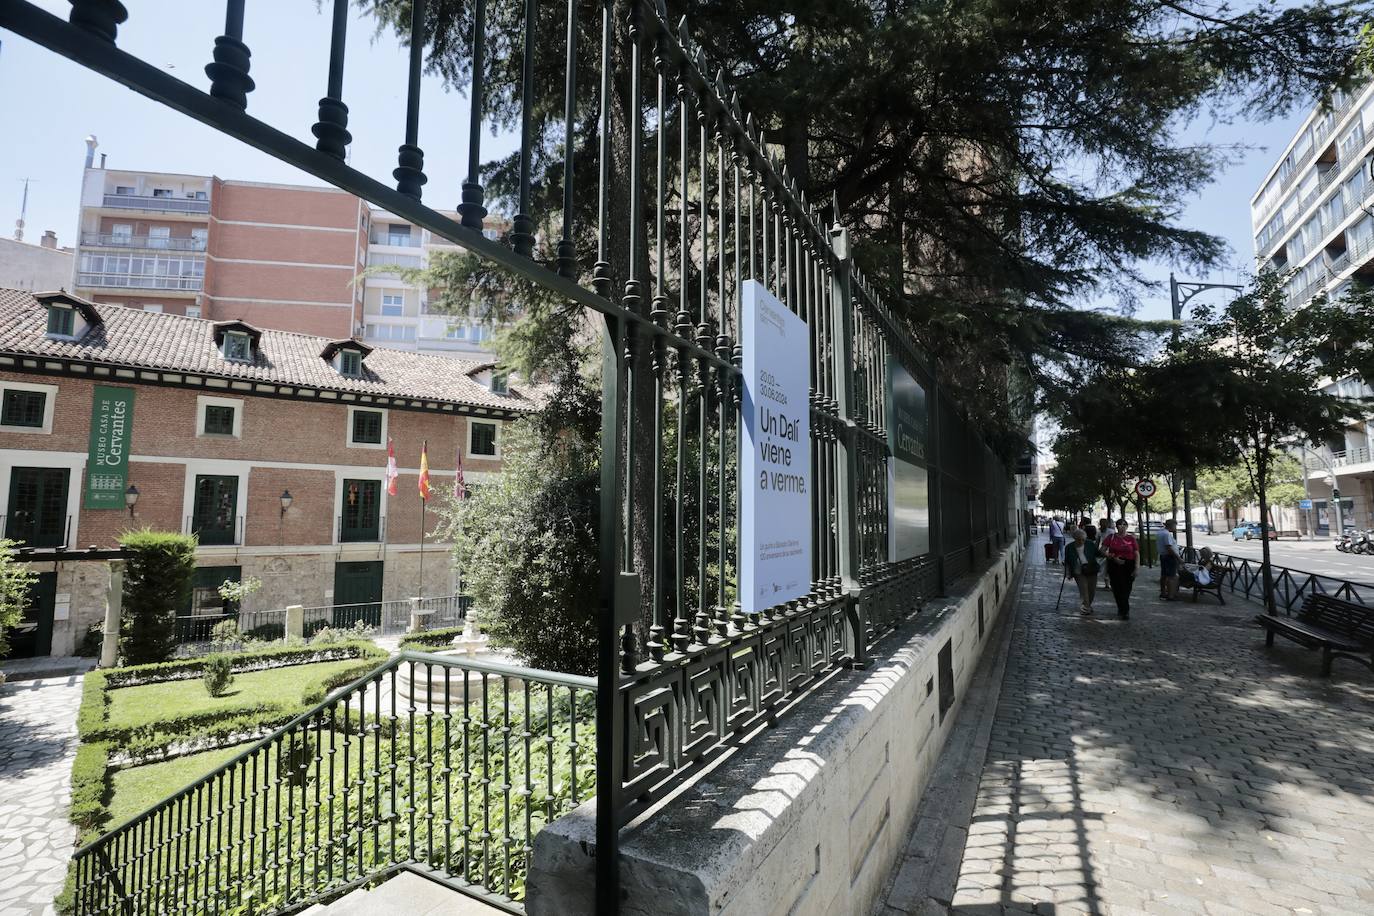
(397, 313)
(270, 446)
(1313, 218)
(284, 257)
(277, 256)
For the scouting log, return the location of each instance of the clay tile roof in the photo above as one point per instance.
(133, 338)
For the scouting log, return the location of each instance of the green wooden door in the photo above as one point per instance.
(37, 508)
(358, 593)
(215, 516)
(33, 636)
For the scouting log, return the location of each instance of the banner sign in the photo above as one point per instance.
(775, 473)
(908, 484)
(907, 425)
(107, 463)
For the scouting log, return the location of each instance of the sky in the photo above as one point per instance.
(54, 104)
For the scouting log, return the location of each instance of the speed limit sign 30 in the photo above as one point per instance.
(1145, 488)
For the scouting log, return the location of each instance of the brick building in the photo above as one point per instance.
(285, 257)
(271, 446)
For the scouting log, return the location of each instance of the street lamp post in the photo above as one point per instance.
(1179, 296)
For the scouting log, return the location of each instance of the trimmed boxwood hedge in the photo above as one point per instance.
(255, 660)
(431, 639)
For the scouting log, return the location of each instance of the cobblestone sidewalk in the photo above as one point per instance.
(37, 744)
(1170, 764)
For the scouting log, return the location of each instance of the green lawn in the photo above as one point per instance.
(151, 702)
(136, 789)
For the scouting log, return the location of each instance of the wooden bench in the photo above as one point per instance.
(1338, 628)
(1217, 572)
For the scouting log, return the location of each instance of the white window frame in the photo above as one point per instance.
(152, 307)
(399, 305)
(122, 230)
(348, 431)
(192, 308)
(203, 401)
(51, 398)
(472, 422)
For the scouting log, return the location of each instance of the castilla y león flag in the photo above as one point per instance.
(391, 472)
(424, 472)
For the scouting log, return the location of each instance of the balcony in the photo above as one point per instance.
(395, 241)
(155, 243)
(164, 204)
(139, 281)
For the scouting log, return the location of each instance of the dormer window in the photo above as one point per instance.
(346, 356)
(500, 382)
(68, 317)
(237, 340)
(61, 321)
(238, 347)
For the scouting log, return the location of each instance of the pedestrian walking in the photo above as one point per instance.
(1123, 558)
(1082, 561)
(1088, 528)
(1169, 560)
(1057, 538)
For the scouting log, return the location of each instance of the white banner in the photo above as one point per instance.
(775, 471)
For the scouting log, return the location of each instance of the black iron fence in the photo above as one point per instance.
(431, 762)
(1245, 576)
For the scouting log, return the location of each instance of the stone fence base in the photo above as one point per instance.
(808, 816)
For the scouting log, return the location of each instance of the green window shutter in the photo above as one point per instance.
(23, 408)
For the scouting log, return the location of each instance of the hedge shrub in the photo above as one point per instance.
(217, 674)
(157, 581)
(254, 660)
(441, 637)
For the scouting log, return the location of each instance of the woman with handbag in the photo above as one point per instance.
(1081, 559)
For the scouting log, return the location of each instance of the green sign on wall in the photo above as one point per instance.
(107, 462)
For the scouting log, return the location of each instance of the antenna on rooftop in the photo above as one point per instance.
(23, 211)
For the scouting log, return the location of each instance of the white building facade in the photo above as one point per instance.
(1313, 219)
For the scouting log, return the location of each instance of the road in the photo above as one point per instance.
(1308, 556)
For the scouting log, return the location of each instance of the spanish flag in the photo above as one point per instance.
(424, 471)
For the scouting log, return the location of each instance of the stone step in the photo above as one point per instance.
(407, 894)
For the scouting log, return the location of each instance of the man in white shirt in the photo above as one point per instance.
(1057, 538)
(1169, 559)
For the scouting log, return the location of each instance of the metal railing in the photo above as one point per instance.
(23, 528)
(139, 281)
(387, 617)
(1245, 576)
(198, 629)
(215, 536)
(395, 241)
(370, 534)
(166, 204)
(156, 243)
(1344, 457)
(434, 762)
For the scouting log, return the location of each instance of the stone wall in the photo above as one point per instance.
(809, 816)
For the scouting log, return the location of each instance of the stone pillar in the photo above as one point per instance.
(114, 604)
(417, 616)
(295, 621)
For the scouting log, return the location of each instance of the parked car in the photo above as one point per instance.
(1247, 530)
